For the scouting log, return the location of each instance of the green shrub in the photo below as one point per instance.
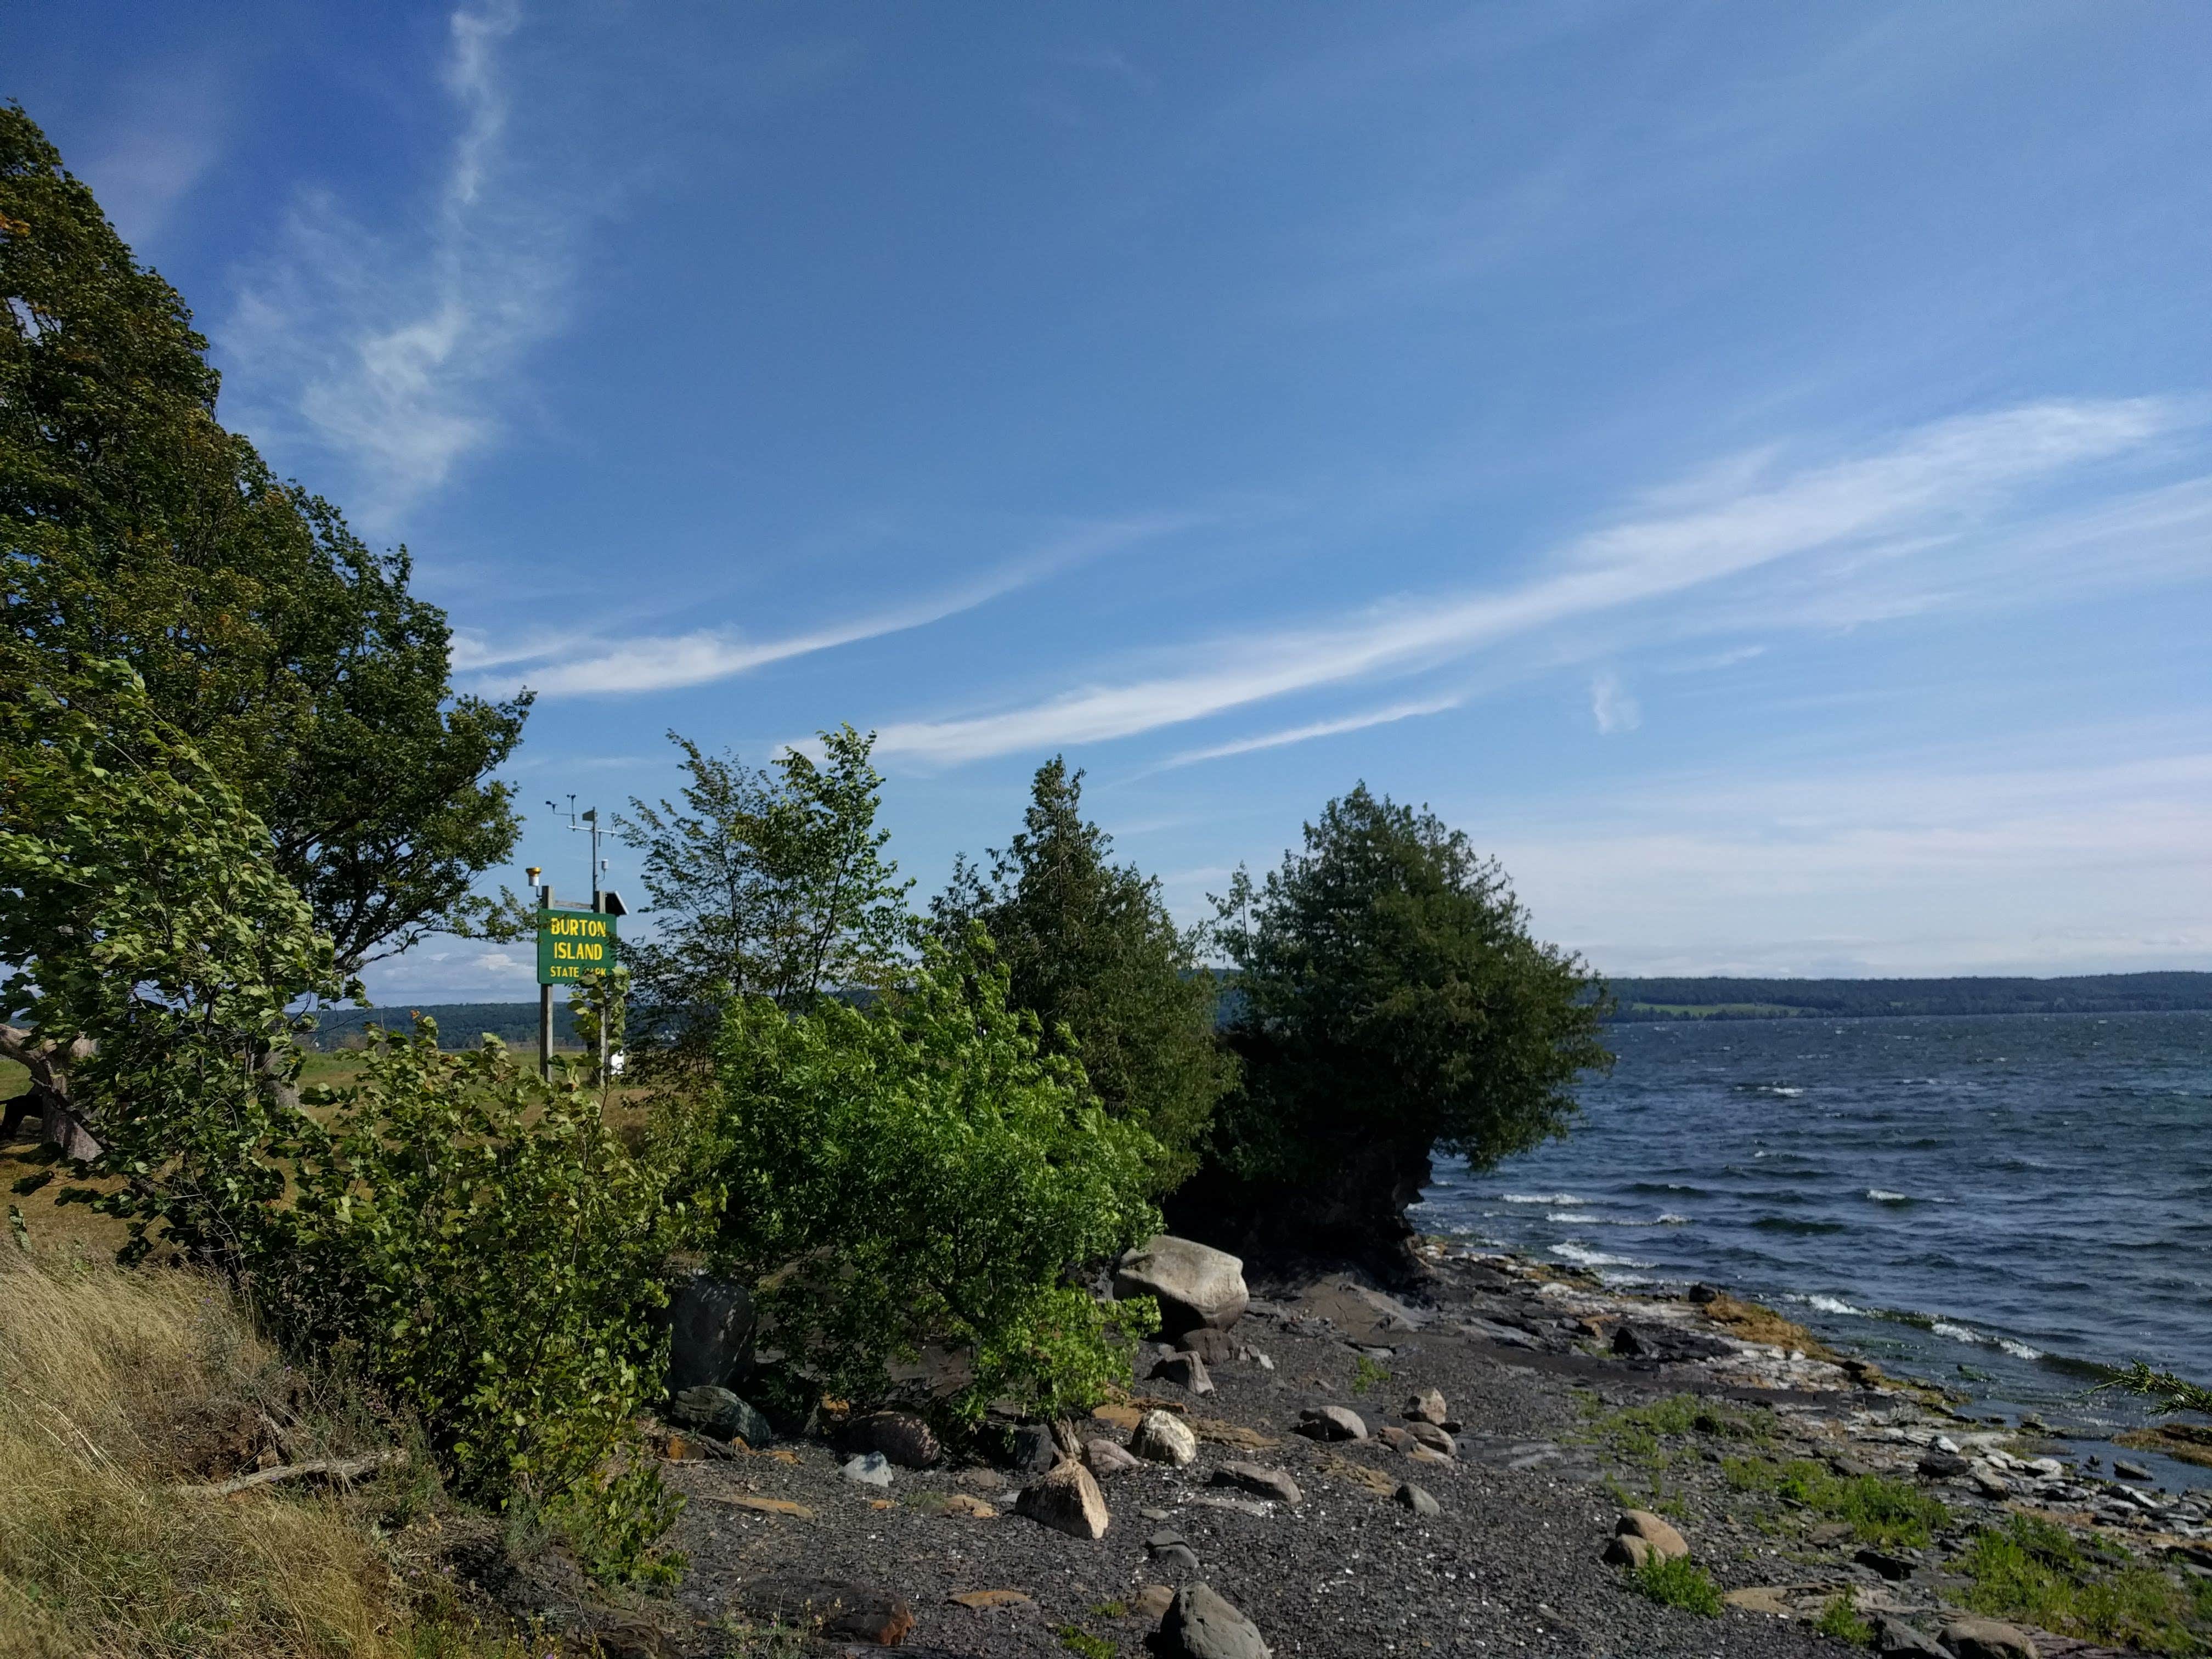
(2036, 1572)
(481, 1243)
(1878, 1510)
(1840, 1620)
(1676, 1582)
(921, 1174)
(1367, 1374)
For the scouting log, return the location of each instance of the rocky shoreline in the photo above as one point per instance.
(1512, 1460)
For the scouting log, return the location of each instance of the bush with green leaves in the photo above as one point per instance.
(483, 1245)
(1676, 1581)
(923, 1174)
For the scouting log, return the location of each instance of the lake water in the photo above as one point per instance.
(1995, 1204)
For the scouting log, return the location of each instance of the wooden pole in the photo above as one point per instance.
(545, 1004)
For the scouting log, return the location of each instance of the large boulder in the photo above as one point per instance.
(1163, 1437)
(711, 1325)
(1332, 1423)
(1067, 1500)
(719, 1413)
(1200, 1624)
(1196, 1286)
(1666, 1542)
(901, 1437)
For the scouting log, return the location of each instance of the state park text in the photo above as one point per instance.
(572, 943)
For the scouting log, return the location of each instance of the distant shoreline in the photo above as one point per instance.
(1656, 1000)
(1643, 1001)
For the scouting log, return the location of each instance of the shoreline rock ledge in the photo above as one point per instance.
(1198, 1287)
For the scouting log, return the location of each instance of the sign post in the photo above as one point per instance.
(571, 944)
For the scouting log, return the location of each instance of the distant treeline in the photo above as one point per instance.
(1860, 999)
(460, 1025)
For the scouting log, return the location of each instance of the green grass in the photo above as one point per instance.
(1366, 1374)
(1877, 1510)
(2037, 1573)
(1110, 1610)
(1840, 1620)
(1676, 1583)
(1083, 1643)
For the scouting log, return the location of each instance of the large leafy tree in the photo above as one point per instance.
(765, 882)
(1391, 1002)
(154, 950)
(1089, 949)
(134, 528)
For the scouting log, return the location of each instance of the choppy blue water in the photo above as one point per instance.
(1995, 1204)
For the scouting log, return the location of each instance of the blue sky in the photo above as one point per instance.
(1751, 467)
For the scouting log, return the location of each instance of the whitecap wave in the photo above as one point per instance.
(1582, 1255)
(1542, 1198)
(1670, 1219)
(1834, 1304)
(1575, 1217)
(1883, 1195)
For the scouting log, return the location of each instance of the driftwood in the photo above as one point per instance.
(327, 1469)
(48, 1098)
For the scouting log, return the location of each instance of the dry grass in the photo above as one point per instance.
(116, 1389)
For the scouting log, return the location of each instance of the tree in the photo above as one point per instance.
(767, 882)
(1391, 1002)
(921, 1173)
(479, 1238)
(155, 950)
(134, 528)
(1089, 949)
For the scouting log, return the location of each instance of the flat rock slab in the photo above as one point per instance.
(1262, 1482)
(1988, 1638)
(991, 1598)
(763, 1505)
(831, 1608)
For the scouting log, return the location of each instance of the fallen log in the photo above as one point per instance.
(327, 1468)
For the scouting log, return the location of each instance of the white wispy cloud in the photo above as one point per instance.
(387, 351)
(2081, 851)
(1612, 706)
(1934, 483)
(571, 663)
(1401, 711)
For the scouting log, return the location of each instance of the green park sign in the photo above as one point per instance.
(573, 944)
